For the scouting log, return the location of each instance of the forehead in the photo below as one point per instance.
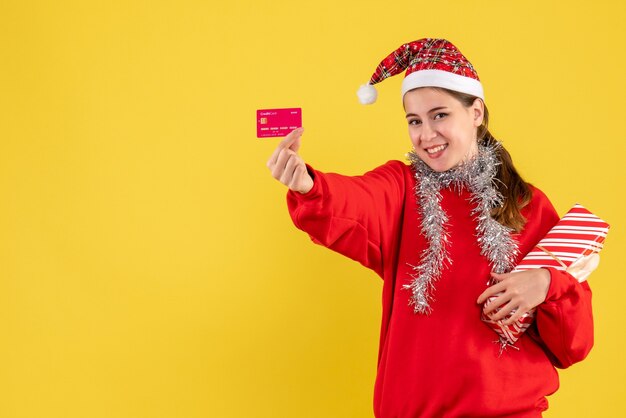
(423, 99)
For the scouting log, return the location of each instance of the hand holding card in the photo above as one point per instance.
(288, 167)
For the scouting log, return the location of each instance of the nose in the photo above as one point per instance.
(427, 133)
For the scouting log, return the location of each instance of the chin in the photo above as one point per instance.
(439, 168)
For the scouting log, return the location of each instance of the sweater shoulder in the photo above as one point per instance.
(540, 217)
(540, 206)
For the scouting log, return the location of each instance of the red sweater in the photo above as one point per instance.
(445, 364)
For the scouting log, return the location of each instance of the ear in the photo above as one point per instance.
(478, 111)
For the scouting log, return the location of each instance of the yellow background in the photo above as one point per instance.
(148, 266)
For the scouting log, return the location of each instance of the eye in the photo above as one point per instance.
(440, 114)
(415, 122)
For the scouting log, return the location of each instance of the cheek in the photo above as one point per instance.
(448, 130)
(458, 134)
(413, 137)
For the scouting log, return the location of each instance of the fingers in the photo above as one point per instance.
(499, 277)
(285, 164)
(298, 174)
(494, 289)
(494, 304)
(290, 170)
(491, 291)
(514, 294)
(292, 137)
(293, 161)
(516, 315)
(504, 298)
(510, 313)
(291, 141)
(280, 162)
(501, 296)
(503, 312)
(505, 304)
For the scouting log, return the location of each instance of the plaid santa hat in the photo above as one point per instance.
(428, 63)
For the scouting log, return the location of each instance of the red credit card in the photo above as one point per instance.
(277, 122)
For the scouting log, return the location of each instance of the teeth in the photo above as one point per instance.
(436, 149)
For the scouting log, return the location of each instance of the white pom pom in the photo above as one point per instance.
(367, 94)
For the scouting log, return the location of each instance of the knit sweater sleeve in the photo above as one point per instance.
(564, 321)
(357, 216)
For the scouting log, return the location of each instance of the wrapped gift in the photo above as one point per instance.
(571, 245)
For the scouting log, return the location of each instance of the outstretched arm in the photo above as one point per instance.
(357, 216)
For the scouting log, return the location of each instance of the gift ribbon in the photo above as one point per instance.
(558, 260)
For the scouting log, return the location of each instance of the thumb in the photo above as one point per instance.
(295, 145)
(292, 140)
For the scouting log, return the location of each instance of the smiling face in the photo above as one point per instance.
(442, 130)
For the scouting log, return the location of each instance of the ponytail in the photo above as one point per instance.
(513, 188)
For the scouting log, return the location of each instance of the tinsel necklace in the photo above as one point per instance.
(478, 175)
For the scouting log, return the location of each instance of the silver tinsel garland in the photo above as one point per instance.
(478, 175)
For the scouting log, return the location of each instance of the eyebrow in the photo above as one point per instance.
(430, 111)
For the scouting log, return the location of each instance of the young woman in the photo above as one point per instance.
(437, 230)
